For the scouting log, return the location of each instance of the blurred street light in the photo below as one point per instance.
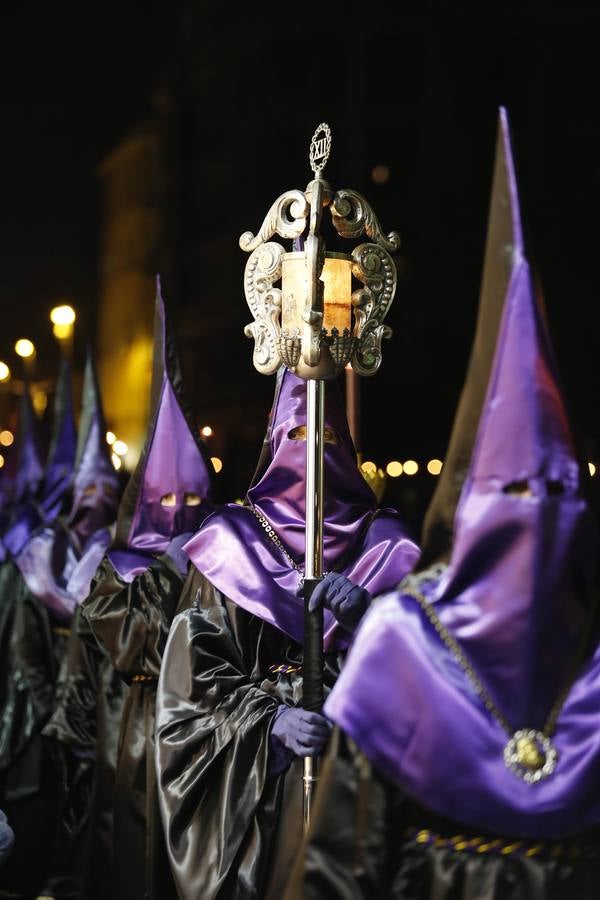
(394, 468)
(25, 348)
(4, 372)
(63, 319)
(7, 438)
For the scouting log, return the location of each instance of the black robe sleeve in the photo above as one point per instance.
(28, 690)
(131, 621)
(216, 701)
(345, 855)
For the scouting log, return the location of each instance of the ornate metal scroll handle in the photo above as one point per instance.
(373, 266)
(314, 247)
(263, 269)
(353, 216)
(287, 218)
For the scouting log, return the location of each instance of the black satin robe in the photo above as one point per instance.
(131, 622)
(83, 733)
(30, 647)
(232, 826)
(365, 842)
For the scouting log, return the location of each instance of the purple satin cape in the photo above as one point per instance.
(62, 593)
(404, 700)
(233, 552)
(515, 593)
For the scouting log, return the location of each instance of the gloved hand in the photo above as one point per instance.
(346, 600)
(6, 837)
(304, 733)
(175, 552)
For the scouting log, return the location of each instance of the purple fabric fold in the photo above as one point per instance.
(129, 564)
(233, 551)
(406, 702)
(63, 593)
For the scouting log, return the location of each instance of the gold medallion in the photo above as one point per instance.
(530, 755)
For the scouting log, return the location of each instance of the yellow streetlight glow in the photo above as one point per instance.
(4, 372)
(39, 400)
(120, 448)
(116, 461)
(592, 469)
(63, 315)
(62, 332)
(1, 460)
(110, 438)
(369, 467)
(394, 468)
(411, 467)
(217, 463)
(6, 438)
(434, 466)
(206, 431)
(24, 348)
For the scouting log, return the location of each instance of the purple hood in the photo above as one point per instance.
(173, 465)
(508, 562)
(371, 548)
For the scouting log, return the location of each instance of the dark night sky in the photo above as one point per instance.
(74, 78)
(73, 82)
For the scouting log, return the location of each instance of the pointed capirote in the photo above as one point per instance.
(29, 465)
(60, 462)
(169, 492)
(508, 562)
(95, 481)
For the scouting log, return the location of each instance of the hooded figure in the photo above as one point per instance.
(26, 514)
(472, 687)
(42, 497)
(229, 728)
(135, 596)
(60, 463)
(59, 561)
(56, 566)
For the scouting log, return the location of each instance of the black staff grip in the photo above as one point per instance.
(312, 681)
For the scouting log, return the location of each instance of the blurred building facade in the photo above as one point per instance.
(131, 238)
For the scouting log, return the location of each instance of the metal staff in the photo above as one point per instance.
(315, 324)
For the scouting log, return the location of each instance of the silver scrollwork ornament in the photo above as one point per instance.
(263, 269)
(353, 216)
(287, 218)
(373, 266)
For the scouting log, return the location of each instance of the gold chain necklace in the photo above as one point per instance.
(529, 753)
